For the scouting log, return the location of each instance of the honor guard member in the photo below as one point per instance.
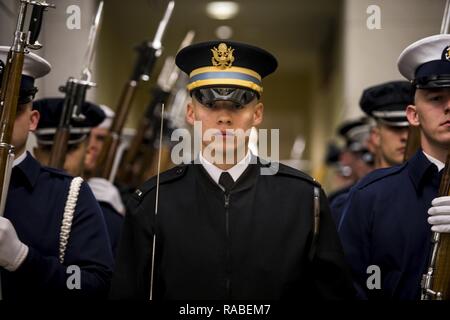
(78, 149)
(52, 226)
(225, 230)
(388, 217)
(355, 159)
(50, 110)
(386, 103)
(105, 192)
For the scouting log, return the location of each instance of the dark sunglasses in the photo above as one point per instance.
(208, 96)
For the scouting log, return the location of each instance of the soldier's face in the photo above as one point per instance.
(26, 121)
(222, 117)
(74, 162)
(431, 113)
(391, 142)
(95, 144)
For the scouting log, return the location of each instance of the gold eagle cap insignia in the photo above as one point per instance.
(447, 53)
(222, 56)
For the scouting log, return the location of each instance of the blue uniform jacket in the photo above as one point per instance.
(384, 223)
(114, 221)
(35, 206)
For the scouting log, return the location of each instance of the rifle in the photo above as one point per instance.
(24, 38)
(75, 96)
(175, 118)
(161, 93)
(413, 142)
(148, 54)
(436, 282)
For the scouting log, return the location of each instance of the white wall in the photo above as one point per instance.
(63, 48)
(370, 56)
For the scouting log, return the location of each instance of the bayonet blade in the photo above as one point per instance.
(163, 26)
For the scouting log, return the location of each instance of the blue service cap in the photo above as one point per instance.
(34, 67)
(355, 133)
(224, 63)
(51, 110)
(387, 102)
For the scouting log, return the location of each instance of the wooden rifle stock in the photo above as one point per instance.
(441, 282)
(436, 282)
(111, 143)
(10, 89)
(127, 172)
(9, 95)
(413, 142)
(59, 149)
(148, 54)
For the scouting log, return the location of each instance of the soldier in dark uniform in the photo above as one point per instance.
(388, 217)
(105, 192)
(386, 105)
(78, 146)
(355, 158)
(229, 230)
(42, 256)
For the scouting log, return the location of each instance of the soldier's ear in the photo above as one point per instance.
(375, 136)
(412, 115)
(190, 114)
(34, 120)
(258, 114)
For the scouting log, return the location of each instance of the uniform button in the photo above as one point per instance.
(138, 192)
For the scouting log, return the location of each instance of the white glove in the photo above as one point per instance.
(12, 251)
(105, 191)
(440, 215)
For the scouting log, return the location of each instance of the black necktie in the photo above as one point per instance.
(226, 181)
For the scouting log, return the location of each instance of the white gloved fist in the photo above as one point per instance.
(105, 191)
(12, 251)
(440, 215)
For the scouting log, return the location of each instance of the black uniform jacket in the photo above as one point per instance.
(254, 243)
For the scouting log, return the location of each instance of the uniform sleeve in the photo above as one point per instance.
(88, 250)
(354, 231)
(331, 274)
(114, 221)
(131, 279)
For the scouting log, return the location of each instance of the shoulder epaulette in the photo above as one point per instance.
(289, 171)
(165, 177)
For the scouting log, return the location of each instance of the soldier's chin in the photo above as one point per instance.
(444, 141)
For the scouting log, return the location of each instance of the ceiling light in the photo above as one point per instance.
(224, 32)
(222, 10)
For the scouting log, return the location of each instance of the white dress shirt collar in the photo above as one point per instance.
(439, 164)
(19, 159)
(235, 172)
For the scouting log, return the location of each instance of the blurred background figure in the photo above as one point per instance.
(354, 160)
(51, 110)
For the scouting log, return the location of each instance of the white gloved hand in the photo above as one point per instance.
(105, 191)
(12, 251)
(440, 215)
